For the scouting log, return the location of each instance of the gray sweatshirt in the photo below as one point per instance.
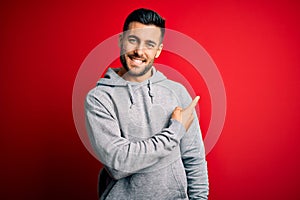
(145, 153)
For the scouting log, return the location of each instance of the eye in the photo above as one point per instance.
(132, 40)
(150, 45)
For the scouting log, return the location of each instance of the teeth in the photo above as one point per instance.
(137, 61)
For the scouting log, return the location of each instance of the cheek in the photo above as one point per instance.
(128, 48)
(151, 55)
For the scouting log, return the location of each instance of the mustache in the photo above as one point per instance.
(136, 56)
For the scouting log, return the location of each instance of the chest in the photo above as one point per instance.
(141, 114)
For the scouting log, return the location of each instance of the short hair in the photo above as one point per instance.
(147, 17)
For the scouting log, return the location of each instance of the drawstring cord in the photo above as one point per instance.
(151, 94)
(131, 95)
(130, 91)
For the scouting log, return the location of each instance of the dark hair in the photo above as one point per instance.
(147, 17)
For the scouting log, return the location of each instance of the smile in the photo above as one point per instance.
(137, 61)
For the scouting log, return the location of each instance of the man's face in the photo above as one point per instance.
(140, 45)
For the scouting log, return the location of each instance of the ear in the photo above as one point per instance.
(120, 40)
(159, 50)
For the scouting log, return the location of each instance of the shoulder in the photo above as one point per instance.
(97, 92)
(173, 85)
(178, 89)
(99, 95)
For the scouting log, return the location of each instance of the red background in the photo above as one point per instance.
(254, 44)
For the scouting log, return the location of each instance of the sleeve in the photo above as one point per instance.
(121, 156)
(193, 157)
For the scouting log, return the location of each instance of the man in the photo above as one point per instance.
(151, 147)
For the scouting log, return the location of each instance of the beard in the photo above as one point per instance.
(132, 72)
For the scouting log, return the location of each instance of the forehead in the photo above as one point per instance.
(144, 32)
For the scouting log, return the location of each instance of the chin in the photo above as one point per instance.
(139, 70)
(134, 72)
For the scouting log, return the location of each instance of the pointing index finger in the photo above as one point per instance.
(194, 102)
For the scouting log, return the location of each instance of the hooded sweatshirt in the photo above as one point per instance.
(145, 153)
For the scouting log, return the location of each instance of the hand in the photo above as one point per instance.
(177, 114)
(185, 116)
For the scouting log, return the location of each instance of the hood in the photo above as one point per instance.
(111, 78)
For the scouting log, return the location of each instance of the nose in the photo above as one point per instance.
(139, 50)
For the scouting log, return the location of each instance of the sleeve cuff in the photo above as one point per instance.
(177, 128)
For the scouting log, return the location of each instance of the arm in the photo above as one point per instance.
(193, 157)
(121, 156)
